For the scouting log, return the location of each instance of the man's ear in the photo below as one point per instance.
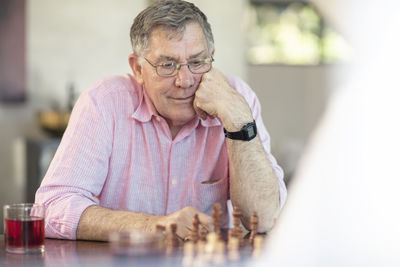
(136, 67)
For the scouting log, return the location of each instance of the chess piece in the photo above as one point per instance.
(188, 253)
(239, 234)
(233, 249)
(237, 229)
(219, 255)
(254, 226)
(236, 219)
(201, 242)
(257, 246)
(194, 233)
(231, 236)
(172, 239)
(160, 229)
(200, 247)
(211, 244)
(200, 260)
(216, 214)
(160, 234)
(202, 234)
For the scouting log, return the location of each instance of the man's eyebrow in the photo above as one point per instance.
(165, 58)
(198, 54)
(171, 58)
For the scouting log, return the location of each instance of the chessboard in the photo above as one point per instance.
(202, 247)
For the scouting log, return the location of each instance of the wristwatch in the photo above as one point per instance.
(248, 132)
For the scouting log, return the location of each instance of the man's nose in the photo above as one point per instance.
(184, 78)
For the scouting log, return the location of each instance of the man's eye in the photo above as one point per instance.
(167, 64)
(196, 63)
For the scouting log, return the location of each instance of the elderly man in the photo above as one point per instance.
(159, 146)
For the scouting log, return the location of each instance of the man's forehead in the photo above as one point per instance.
(176, 34)
(169, 43)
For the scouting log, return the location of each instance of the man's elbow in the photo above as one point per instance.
(266, 224)
(266, 220)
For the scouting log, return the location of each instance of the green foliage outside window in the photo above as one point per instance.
(291, 33)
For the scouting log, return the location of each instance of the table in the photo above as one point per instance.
(89, 253)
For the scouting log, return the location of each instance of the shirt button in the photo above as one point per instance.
(173, 181)
(158, 119)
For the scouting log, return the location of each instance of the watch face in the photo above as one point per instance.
(247, 133)
(250, 132)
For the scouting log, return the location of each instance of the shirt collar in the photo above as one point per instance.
(145, 109)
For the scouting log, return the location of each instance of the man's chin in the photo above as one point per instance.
(180, 121)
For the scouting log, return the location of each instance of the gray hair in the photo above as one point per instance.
(173, 15)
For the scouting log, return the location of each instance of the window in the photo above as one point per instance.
(291, 33)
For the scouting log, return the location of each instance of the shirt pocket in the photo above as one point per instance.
(205, 194)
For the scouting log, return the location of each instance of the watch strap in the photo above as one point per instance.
(247, 133)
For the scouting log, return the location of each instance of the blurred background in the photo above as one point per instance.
(289, 52)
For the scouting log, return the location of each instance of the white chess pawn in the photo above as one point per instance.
(211, 245)
(188, 253)
(233, 249)
(219, 255)
(257, 246)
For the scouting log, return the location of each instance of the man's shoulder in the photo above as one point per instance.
(113, 86)
(241, 86)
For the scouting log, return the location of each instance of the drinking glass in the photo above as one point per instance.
(24, 228)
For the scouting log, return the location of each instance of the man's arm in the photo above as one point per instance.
(253, 182)
(96, 223)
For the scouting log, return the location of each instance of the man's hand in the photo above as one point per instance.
(184, 220)
(216, 98)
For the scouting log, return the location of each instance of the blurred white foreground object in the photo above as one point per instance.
(343, 204)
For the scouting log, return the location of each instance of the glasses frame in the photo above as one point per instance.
(178, 66)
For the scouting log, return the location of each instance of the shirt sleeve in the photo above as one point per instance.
(255, 107)
(79, 168)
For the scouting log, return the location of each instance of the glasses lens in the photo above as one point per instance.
(166, 69)
(199, 68)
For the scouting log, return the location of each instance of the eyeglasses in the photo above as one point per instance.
(171, 68)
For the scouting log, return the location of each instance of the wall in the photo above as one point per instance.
(293, 98)
(81, 41)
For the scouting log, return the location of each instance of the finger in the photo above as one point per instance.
(205, 220)
(199, 111)
(202, 114)
(182, 232)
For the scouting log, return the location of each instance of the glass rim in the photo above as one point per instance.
(22, 205)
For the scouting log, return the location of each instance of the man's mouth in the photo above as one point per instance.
(184, 99)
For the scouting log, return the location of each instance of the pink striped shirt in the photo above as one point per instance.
(117, 152)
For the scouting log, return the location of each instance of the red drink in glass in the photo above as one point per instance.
(24, 228)
(25, 232)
